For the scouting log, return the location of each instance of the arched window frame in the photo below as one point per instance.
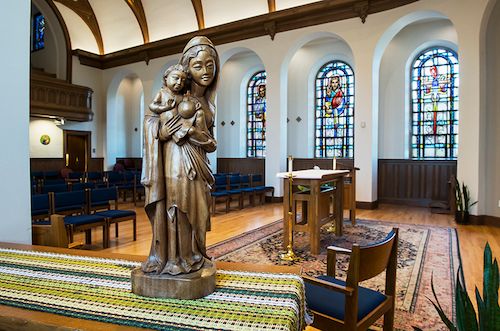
(256, 115)
(434, 131)
(333, 132)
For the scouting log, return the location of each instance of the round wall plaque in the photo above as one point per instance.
(45, 139)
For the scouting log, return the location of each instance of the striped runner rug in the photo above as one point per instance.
(100, 289)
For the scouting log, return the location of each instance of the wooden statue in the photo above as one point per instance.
(178, 133)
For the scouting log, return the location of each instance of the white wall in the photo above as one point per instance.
(39, 127)
(14, 93)
(492, 195)
(394, 81)
(232, 103)
(302, 72)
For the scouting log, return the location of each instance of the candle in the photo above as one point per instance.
(290, 163)
(334, 163)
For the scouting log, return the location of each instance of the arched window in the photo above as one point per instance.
(334, 108)
(256, 115)
(434, 105)
(38, 32)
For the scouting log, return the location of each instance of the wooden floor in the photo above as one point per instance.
(472, 238)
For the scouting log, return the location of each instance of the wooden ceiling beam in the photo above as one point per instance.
(271, 4)
(83, 9)
(198, 9)
(289, 19)
(138, 10)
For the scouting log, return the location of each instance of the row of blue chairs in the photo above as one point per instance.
(127, 182)
(231, 187)
(81, 211)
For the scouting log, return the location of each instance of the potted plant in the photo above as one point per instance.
(463, 203)
(488, 309)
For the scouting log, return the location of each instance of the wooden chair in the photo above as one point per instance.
(344, 305)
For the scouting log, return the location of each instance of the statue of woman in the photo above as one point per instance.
(176, 171)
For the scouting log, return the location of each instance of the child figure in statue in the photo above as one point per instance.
(177, 113)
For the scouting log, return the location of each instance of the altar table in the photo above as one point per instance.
(314, 179)
(46, 288)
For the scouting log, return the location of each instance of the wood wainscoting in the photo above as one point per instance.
(415, 182)
(246, 165)
(56, 164)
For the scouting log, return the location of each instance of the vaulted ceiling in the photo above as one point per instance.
(109, 33)
(106, 26)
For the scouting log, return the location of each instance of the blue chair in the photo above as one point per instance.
(40, 206)
(234, 191)
(75, 176)
(48, 175)
(219, 192)
(259, 189)
(68, 203)
(54, 181)
(344, 305)
(113, 215)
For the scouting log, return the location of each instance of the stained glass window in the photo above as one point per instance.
(256, 115)
(334, 110)
(434, 105)
(38, 32)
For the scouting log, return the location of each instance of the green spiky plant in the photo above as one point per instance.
(488, 309)
(463, 202)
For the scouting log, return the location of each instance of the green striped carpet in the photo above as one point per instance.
(99, 289)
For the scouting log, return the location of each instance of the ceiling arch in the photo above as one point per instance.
(127, 31)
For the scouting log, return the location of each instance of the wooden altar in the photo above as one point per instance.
(319, 187)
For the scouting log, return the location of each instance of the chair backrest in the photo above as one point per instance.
(245, 180)
(54, 181)
(94, 176)
(39, 202)
(220, 183)
(103, 194)
(257, 179)
(75, 175)
(114, 177)
(74, 198)
(55, 188)
(371, 260)
(234, 181)
(82, 186)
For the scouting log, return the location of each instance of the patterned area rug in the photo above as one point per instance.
(424, 252)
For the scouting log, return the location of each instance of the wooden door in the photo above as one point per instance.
(77, 149)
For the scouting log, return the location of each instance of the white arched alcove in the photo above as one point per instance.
(394, 80)
(124, 117)
(303, 68)
(238, 66)
(53, 57)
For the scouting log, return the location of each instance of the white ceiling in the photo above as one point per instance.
(165, 18)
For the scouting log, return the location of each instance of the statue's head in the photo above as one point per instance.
(175, 77)
(201, 60)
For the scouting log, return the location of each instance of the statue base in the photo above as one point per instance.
(194, 285)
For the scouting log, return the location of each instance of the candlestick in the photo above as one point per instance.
(334, 163)
(290, 255)
(290, 163)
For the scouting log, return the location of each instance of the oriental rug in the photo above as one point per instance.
(424, 252)
(100, 289)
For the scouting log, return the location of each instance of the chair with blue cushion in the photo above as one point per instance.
(259, 189)
(234, 191)
(344, 305)
(68, 203)
(113, 215)
(40, 206)
(219, 192)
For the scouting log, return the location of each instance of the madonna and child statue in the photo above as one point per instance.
(178, 134)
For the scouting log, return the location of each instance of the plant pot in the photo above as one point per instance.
(462, 217)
